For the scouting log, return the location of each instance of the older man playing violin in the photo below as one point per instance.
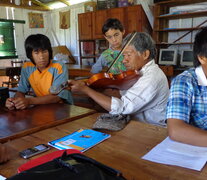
(146, 100)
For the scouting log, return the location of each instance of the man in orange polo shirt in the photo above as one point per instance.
(39, 75)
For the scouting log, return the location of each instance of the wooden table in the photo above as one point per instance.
(122, 151)
(79, 71)
(17, 123)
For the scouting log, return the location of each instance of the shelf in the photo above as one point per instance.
(90, 47)
(176, 38)
(183, 15)
(179, 3)
(89, 56)
(181, 43)
(177, 29)
(86, 40)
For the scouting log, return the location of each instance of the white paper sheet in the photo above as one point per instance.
(2, 177)
(174, 153)
(187, 149)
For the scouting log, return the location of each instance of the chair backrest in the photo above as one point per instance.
(13, 71)
(14, 76)
(17, 63)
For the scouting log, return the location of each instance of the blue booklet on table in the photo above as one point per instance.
(81, 140)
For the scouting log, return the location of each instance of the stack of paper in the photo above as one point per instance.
(2, 177)
(179, 154)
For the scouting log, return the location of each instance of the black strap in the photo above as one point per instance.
(107, 169)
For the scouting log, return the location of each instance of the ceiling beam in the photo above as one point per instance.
(25, 6)
(41, 4)
(65, 2)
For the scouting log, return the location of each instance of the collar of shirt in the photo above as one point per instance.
(145, 67)
(113, 49)
(202, 81)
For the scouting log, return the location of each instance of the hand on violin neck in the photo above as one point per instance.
(77, 86)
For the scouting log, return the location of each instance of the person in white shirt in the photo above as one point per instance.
(146, 100)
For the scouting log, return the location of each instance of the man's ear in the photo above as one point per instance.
(123, 32)
(202, 59)
(146, 54)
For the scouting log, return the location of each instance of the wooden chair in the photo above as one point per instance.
(18, 63)
(14, 75)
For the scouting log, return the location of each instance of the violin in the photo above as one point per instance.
(122, 81)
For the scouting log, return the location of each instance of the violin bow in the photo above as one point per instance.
(123, 48)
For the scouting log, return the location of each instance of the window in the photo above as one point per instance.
(7, 44)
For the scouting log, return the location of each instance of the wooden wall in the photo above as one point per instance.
(68, 37)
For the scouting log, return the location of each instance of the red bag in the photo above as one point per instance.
(43, 159)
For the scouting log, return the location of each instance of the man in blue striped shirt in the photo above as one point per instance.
(187, 104)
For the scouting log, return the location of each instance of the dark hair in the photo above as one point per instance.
(112, 23)
(200, 46)
(142, 42)
(37, 42)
